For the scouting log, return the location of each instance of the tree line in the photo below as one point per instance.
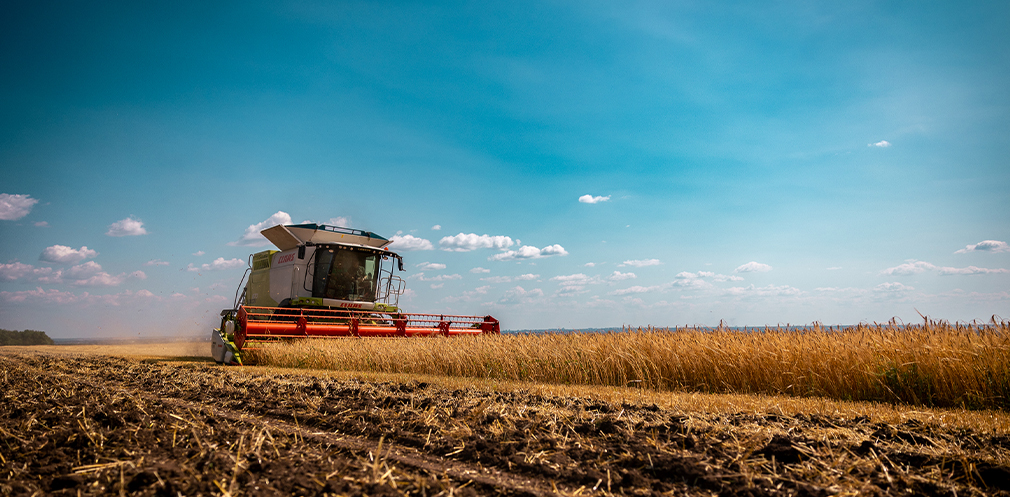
(26, 337)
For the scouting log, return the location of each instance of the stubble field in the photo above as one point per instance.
(92, 424)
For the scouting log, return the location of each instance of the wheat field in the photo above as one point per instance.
(935, 363)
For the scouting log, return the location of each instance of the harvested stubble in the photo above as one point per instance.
(935, 363)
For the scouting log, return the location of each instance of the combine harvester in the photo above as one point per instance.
(326, 281)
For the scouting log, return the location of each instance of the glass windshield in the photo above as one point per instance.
(345, 274)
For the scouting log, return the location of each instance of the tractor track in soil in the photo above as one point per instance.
(93, 425)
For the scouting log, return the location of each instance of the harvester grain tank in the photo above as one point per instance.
(326, 281)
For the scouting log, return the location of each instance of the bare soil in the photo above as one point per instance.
(89, 425)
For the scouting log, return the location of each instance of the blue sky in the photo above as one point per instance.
(753, 164)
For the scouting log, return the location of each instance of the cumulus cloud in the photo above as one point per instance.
(520, 295)
(880, 144)
(529, 252)
(409, 242)
(441, 277)
(575, 283)
(641, 263)
(62, 254)
(497, 279)
(84, 270)
(52, 296)
(466, 242)
(918, 267)
(589, 199)
(127, 227)
(752, 267)
(17, 271)
(911, 267)
(430, 266)
(156, 262)
(986, 246)
(619, 276)
(100, 279)
(636, 289)
(436, 227)
(590, 264)
(252, 236)
(970, 270)
(14, 207)
(478, 270)
(218, 264)
(726, 277)
(198, 253)
(339, 221)
(764, 291)
(470, 296)
(893, 287)
(42, 224)
(527, 277)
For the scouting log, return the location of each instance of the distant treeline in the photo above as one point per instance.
(27, 337)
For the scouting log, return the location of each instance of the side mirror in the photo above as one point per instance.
(301, 251)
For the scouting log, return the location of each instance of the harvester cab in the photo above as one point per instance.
(326, 281)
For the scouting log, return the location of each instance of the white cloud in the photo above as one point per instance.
(641, 263)
(441, 277)
(894, 287)
(155, 262)
(100, 279)
(752, 267)
(835, 268)
(466, 242)
(970, 270)
(14, 207)
(15, 271)
(440, 285)
(764, 291)
(497, 279)
(519, 295)
(575, 283)
(478, 270)
(137, 275)
(430, 266)
(409, 242)
(986, 246)
(85, 270)
(42, 224)
(198, 253)
(218, 264)
(62, 254)
(339, 221)
(636, 289)
(880, 144)
(527, 277)
(590, 264)
(918, 267)
(469, 296)
(127, 227)
(726, 277)
(53, 296)
(619, 276)
(589, 199)
(910, 267)
(529, 252)
(436, 227)
(252, 236)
